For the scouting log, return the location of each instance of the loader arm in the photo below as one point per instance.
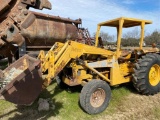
(60, 54)
(23, 81)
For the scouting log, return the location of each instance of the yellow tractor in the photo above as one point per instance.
(95, 68)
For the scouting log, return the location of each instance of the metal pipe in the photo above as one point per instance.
(94, 70)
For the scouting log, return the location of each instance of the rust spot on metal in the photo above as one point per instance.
(25, 83)
(18, 25)
(60, 67)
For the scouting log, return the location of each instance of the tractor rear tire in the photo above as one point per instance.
(95, 96)
(146, 77)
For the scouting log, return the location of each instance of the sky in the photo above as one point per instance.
(93, 12)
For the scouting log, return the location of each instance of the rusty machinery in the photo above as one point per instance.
(96, 69)
(32, 30)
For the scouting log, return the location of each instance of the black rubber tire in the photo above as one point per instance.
(141, 74)
(86, 93)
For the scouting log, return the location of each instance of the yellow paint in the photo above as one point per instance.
(154, 75)
(142, 34)
(73, 55)
(121, 23)
(77, 79)
(117, 76)
(97, 35)
(25, 64)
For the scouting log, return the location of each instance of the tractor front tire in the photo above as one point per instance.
(146, 77)
(95, 96)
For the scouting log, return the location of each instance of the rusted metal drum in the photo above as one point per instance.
(47, 29)
(18, 25)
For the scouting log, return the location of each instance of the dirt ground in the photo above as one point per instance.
(136, 107)
(131, 107)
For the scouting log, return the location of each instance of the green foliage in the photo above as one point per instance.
(66, 102)
(153, 38)
(130, 42)
(156, 112)
(149, 39)
(132, 38)
(106, 37)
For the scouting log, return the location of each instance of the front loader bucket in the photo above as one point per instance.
(22, 81)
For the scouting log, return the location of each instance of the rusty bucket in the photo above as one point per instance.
(22, 81)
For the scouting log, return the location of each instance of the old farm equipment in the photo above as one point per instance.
(23, 79)
(24, 31)
(96, 69)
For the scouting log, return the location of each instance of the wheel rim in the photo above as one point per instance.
(154, 75)
(98, 97)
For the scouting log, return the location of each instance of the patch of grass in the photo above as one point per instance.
(156, 112)
(4, 105)
(118, 95)
(66, 103)
(7, 110)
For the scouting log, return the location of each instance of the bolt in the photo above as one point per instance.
(18, 20)
(20, 7)
(13, 14)
(25, 12)
(7, 23)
